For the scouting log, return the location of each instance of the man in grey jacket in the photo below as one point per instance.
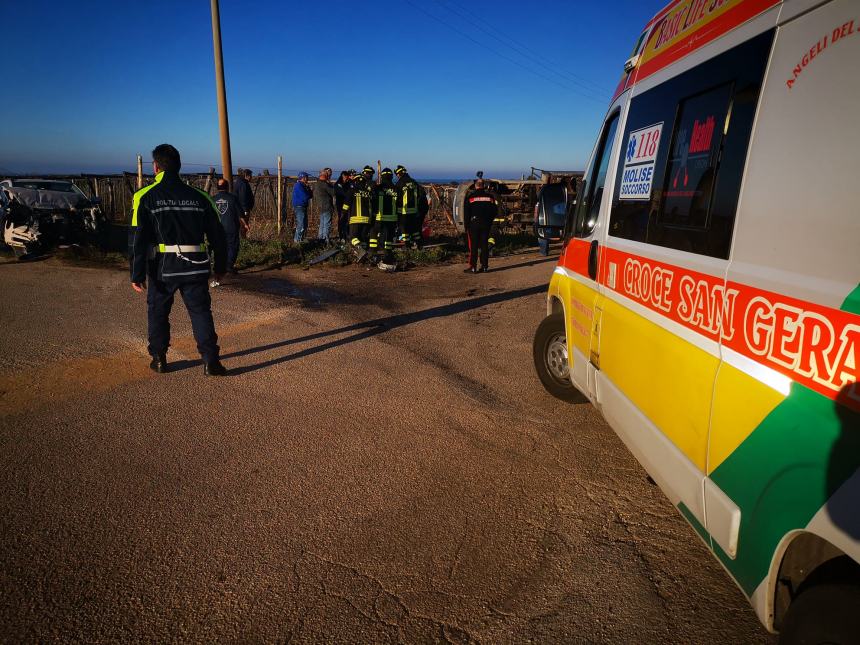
(324, 194)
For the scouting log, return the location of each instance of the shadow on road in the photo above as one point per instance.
(530, 263)
(841, 489)
(368, 329)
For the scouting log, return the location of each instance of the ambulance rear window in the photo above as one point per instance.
(685, 145)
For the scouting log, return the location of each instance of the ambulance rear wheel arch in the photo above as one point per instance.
(809, 561)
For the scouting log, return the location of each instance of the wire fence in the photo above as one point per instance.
(116, 191)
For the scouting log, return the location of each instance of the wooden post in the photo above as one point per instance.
(110, 195)
(209, 178)
(280, 194)
(221, 93)
(378, 171)
(139, 172)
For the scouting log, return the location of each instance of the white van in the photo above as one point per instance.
(707, 297)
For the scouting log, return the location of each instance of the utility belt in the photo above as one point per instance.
(386, 217)
(179, 250)
(182, 248)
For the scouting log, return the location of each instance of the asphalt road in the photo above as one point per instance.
(382, 465)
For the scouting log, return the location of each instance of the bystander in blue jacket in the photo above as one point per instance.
(302, 195)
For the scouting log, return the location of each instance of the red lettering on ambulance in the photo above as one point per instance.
(816, 343)
(661, 295)
(758, 325)
(645, 283)
(785, 344)
(723, 311)
(700, 141)
(685, 307)
(701, 317)
(648, 284)
(847, 364)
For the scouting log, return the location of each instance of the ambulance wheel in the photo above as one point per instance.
(549, 350)
(825, 613)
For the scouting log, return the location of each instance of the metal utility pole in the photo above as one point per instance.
(226, 161)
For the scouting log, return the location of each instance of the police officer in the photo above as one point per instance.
(480, 209)
(169, 222)
(412, 207)
(358, 203)
(232, 219)
(384, 219)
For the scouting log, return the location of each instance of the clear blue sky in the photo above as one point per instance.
(444, 87)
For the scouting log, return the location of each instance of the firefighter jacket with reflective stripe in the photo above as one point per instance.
(359, 202)
(481, 205)
(171, 223)
(385, 202)
(411, 197)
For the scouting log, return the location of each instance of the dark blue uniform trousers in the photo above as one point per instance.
(232, 235)
(159, 300)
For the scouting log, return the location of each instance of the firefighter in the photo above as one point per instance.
(495, 232)
(169, 222)
(412, 208)
(368, 173)
(342, 187)
(358, 204)
(384, 219)
(480, 209)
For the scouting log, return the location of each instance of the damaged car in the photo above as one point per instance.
(42, 214)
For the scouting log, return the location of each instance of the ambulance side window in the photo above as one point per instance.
(686, 144)
(588, 207)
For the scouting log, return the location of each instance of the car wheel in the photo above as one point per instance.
(825, 613)
(551, 360)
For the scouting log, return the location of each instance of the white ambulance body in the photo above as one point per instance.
(707, 298)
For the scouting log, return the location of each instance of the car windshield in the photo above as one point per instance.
(44, 184)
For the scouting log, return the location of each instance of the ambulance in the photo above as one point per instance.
(707, 297)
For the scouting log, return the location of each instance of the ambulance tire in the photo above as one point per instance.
(549, 351)
(825, 613)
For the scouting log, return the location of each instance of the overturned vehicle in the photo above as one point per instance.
(41, 214)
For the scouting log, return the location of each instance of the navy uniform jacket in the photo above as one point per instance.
(170, 225)
(230, 211)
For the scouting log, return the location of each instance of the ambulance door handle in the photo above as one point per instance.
(592, 260)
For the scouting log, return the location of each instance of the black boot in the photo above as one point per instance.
(215, 368)
(159, 363)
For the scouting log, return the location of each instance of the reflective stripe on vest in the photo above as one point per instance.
(380, 211)
(406, 208)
